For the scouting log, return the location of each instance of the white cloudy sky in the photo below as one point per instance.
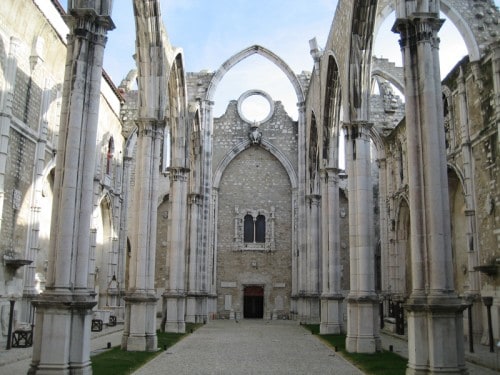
(212, 31)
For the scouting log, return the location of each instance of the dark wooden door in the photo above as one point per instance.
(253, 302)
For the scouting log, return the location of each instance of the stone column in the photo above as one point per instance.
(331, 297)
(472, 295)
(122, 236)
(385, 237)
(311, 297)
(301, 219)
(139, 333)
(193, 284)
(207, 282)
(435, 331)
(468, 170)
(295, 287)
(64, 311)
(212, 251)
(174, 298)
(362, 301)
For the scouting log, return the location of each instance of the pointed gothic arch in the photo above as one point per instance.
(402, 260)
(461, 20)
(359, 65)
(332, 112)
(264, 52)
(266, 145)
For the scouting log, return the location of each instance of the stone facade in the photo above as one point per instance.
(254, 181)
(32, 41)
(176, 199)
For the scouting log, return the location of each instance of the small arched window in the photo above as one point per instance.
(248, 229)
(260, 229)
(254, 230)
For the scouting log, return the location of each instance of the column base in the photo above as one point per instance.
(191, 304)
(331, 314)
(196, 308)
(86, 369)
(435, 335)
(308, 308)
(174, 309)
(61, 338)
(363, 334)
(139, 332)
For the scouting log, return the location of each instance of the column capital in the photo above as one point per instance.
(470, 212)
(178, 173)
(381, 163)
(333, 171)
(301, 106)
(358, 124)
(195, 198)
(150, 127)
(313, 198)
(357, 129)
(94, 10)
(418, 27)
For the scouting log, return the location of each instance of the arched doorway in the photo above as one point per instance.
(253, 302)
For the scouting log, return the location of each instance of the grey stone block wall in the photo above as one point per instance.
(255, 180)
(16, 209)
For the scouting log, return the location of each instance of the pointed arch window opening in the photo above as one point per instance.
(167, 149)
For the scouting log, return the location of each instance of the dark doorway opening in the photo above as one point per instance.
(253, 302)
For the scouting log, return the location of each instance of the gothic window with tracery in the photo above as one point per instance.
(254, 229)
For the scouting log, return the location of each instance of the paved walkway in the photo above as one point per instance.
(249, 347)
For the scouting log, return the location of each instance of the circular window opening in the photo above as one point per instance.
(255, 106)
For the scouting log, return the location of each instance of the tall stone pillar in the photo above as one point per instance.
(362, 301)
(174, 298)
(301, 253)
(435, 331)
(384, 224)
(208, 300)
(311, 307)
(122, 235)
(331, 296)
(193, 293)
(470, 208)
(63, 316)
(139, 333)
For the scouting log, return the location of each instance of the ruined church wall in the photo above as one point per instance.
(254, 180)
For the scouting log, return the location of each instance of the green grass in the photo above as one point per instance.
(381, 363)
(117, 362)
